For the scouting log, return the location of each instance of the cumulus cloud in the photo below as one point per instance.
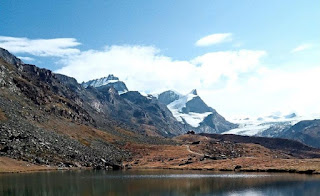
(58, 47)
(214, 39)
(267, 91)
(301, 48)
(227, 64)
(143, 68)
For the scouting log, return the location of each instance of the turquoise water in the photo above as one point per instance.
(157, 182)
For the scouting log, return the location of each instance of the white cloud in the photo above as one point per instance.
(143, 68)
(301, 48)
(57, 47)
(228, 64)
(26, 58)
(267, 91)
(214, 39)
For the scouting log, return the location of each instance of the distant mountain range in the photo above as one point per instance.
(190, 111)
(289, 126)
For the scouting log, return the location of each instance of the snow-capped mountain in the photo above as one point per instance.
(190, 108)
(268, 126)
(192, 111)
(111, 80)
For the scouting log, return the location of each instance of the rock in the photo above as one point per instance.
(195, 143)
(237, 167)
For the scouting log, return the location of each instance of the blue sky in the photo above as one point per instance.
(279, 37)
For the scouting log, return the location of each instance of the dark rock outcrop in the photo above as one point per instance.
(168, 97)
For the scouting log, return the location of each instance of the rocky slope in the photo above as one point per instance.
(49, 118)
(194, 113)
(30, 99)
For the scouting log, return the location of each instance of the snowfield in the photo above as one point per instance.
(269, 126)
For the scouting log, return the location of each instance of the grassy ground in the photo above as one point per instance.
(8, 165)
(252, 157)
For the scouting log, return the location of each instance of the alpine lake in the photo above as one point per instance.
(157, 182)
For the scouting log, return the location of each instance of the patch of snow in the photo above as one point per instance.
(248, 129)
(181, 102)
(148, 96)
(192, 118)
(101, 82)
(122, 92)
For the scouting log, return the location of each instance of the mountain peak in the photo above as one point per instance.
(101, 81)
(110, 80)
(194, 92)
(111, 77)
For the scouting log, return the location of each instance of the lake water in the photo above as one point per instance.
(157, 182)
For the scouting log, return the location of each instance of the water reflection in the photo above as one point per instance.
(157, 182)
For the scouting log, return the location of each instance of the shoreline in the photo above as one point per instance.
(53, 169)
(271, 170)
(12, 166)
(266, 170)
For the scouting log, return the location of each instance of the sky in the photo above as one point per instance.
(245, 58)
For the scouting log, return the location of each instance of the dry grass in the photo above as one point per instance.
(256, 158)
(8, 165)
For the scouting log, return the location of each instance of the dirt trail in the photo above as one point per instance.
(189, 150)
